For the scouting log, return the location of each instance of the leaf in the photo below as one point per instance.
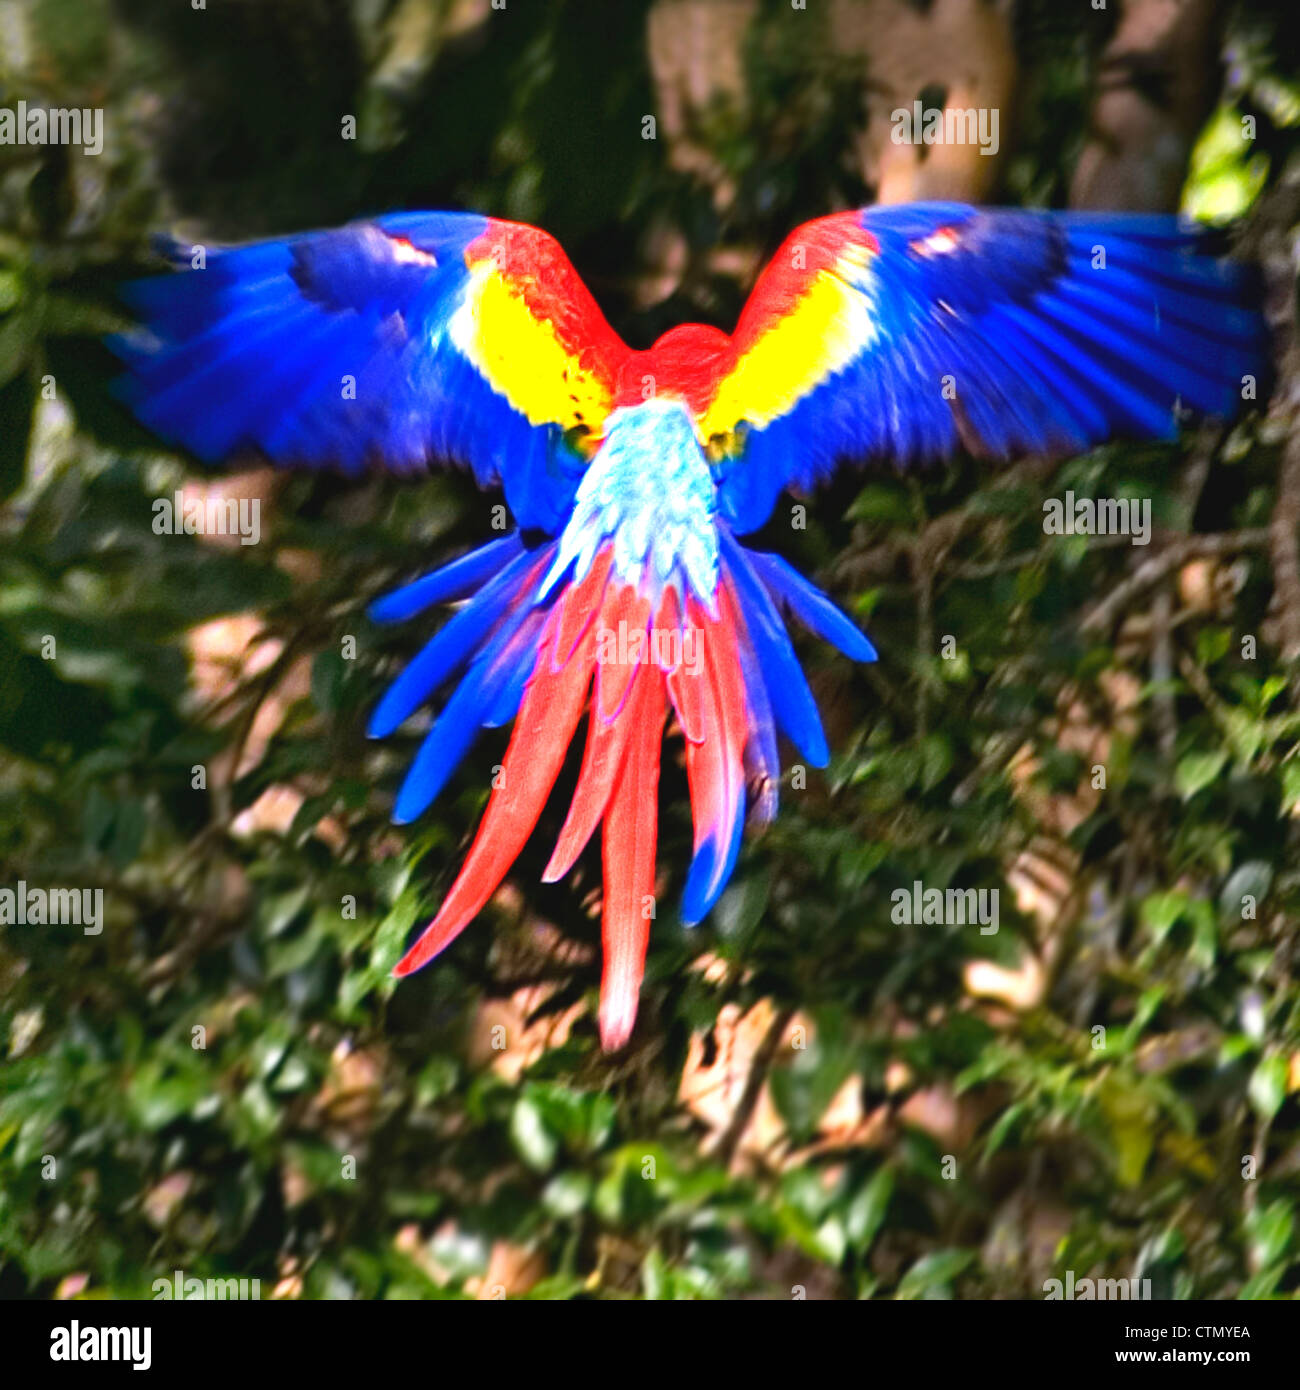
(17, 406)
(1198, 770)
(1003, 1127)
(1252, 879)
(1269, 1228)
(536, 1144)
(129, 825)
(385, 951)
(328, 672)
(1130, 1118)
(741, 907)
(882, 503)
(583, 1120)
(1267, 1088)
(1262, 1285)
(567, 1194)
(1212, 645)
(1291, 786)
(17, 338)
(282, 910)
(1147, 1006)
(932, 1275)
(639, 1176)
(867, 1210)
(1161, 910)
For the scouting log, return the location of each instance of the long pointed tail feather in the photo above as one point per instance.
(715, 766)
(628, 856)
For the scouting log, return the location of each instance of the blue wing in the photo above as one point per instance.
(904, 332)
(389, 343)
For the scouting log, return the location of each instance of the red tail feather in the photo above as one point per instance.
(625, 608)
(683, 684)
(628, 854)
(619, 780)
(578, 607)
(714, 766)
(606, 734)
(548, 716)
(731, 685)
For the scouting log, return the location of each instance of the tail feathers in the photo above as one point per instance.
(715, 766)
(628, 855)
(602, 763)
(762, 758)
(813, 609)
(512, 670)
(726, 670)
(619, 778)
(614, 714)
(453, 581)
(683, 687)
(624, 611)
(476, 703)
(496, 603)
(792, 701)
(580, 605)
(552, 705)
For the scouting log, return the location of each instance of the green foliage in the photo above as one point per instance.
(922, 1133)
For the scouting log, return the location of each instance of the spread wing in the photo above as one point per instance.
(389, 343)
(902, 332)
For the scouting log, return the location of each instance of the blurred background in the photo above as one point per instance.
(226, 1081)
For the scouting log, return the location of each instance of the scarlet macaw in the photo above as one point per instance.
(898, 332)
